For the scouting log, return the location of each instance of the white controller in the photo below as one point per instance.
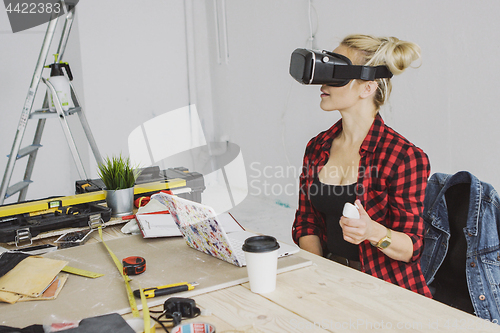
(351, 211)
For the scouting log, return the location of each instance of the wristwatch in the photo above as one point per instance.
(385, 242)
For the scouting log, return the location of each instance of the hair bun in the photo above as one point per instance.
(396, 54)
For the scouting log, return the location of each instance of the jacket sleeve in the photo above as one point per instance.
(308, 221)
(406, 197)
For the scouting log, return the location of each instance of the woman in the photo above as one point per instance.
(363, 161)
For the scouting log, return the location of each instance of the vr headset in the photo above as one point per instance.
(333, 69)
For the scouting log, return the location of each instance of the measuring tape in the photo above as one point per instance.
(81, 272)
(145, 311)
(134, 265)
(130, 294)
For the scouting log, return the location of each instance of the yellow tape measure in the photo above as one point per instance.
(145, 311)
(81, 272)
(131, 299)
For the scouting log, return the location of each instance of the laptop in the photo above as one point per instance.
(199, 227)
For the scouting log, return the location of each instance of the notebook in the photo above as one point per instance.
(152, 225)
(199, 226)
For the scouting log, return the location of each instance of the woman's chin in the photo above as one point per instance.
(327, 108)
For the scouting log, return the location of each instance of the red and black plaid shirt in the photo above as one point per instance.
(392, 177)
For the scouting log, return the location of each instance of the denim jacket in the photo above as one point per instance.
(482, 233)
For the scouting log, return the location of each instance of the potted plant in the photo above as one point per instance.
(119, 176)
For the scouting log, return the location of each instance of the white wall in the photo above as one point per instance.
(448, 106)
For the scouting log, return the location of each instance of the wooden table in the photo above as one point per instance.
(329, 297)
(323, 297)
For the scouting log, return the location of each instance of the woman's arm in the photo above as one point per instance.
(311, 243)
(308, 222)
(358, 230)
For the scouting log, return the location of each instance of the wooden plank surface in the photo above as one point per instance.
(168, 260)
(239, 309)
(337, 298)
(236, 309)
(329, 297)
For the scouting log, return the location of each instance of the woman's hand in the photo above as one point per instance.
(358, 230)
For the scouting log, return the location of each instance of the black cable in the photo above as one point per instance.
(159, 322)
(164, 313)
(173, 314)
(176, 318)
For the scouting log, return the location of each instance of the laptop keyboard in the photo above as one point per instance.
(236, 245)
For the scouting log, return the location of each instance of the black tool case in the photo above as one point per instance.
(21, 227)
(174, 179)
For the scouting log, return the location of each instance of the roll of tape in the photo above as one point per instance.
(194, 327)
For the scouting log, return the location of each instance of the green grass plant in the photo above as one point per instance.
(117, 173)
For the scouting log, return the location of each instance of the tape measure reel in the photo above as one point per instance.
(134, 265)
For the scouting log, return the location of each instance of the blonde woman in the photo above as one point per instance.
(363, 161)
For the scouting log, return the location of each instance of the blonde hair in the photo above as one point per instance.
(396, 54)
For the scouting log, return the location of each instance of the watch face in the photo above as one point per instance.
(385, 244)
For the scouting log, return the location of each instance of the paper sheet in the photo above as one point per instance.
(157, 225)
(163, 225)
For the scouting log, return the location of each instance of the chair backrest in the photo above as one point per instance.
(450, 282)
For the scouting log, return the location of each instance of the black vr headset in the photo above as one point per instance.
(333, 69)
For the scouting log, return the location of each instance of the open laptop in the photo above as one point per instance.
(199, 227)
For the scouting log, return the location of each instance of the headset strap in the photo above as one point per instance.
(368, 73)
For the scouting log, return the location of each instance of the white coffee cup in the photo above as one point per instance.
(261, 255)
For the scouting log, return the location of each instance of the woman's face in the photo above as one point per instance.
(341, 98)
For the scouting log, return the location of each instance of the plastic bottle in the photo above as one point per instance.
(60, 83)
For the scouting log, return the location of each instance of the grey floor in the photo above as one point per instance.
(264, 216)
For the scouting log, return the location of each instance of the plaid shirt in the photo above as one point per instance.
(392, 177)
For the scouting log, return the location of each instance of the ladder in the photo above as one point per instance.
(41, 115)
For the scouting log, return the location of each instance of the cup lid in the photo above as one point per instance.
(258, 244)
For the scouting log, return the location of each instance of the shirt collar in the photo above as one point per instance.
(369, 143)
(374, 134)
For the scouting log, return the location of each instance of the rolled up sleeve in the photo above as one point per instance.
(307, 221)
(406, 199)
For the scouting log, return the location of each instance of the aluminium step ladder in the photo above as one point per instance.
(44, 113)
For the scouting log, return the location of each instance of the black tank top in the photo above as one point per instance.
(329, 200)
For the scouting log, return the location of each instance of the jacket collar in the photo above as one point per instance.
(446, 181)
(369, 143)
